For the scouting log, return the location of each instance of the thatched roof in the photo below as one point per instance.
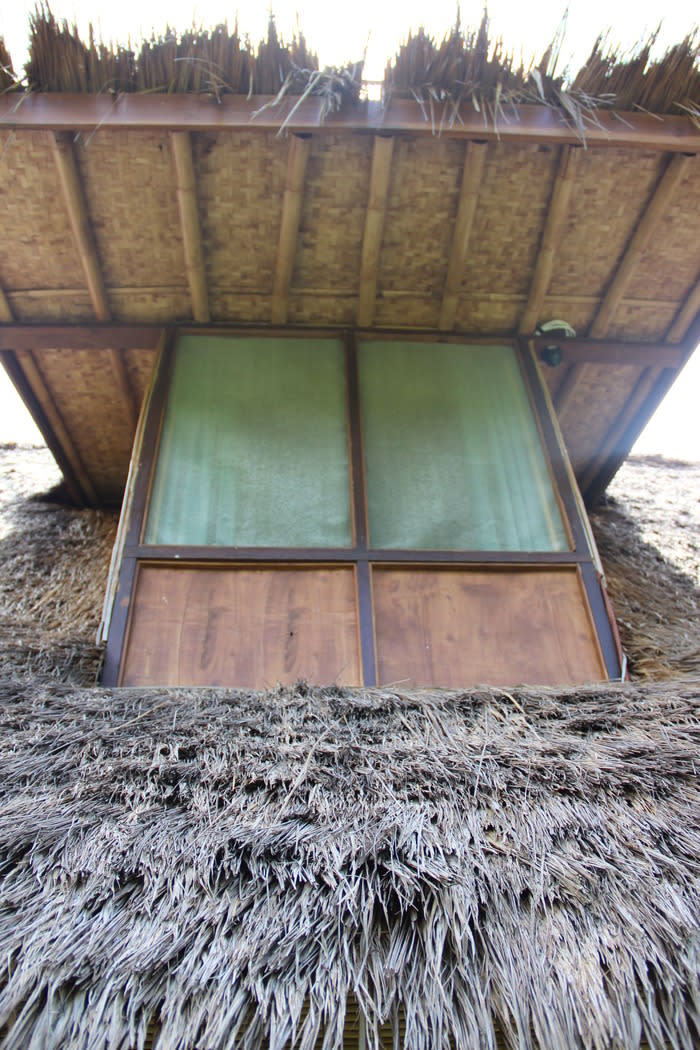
(145, 187)
(175, 863)
(215, 862)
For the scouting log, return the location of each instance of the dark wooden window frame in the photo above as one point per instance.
(360, 555)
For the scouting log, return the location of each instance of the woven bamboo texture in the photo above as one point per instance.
(609, 197)
(586, 417)
(130, 195)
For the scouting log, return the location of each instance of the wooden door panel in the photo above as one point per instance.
(247, 627)
(462, 627)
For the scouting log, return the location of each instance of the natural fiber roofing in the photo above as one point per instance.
(211, 861)
(528, 857)
(308, 228)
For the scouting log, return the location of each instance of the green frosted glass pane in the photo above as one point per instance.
(452, 452)
(254, 446)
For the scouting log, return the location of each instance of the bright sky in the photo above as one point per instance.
(378, 26)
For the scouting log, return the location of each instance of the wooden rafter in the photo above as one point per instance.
(5, 310)
(76, 207)
(189, 222)
(472, 174)
(374, 227)
(555, 225)
(528, 123)
(289, 227)
(57, 430)
(685, 317)
(646, 226)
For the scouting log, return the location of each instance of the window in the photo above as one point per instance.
(349, 511)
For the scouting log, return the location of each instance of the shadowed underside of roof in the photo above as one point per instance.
(217, 861)
(425, 213)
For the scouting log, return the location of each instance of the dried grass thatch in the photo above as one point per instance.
(217, 61)
(53, 573)
(469, 69)
(218, 860)
(8, 80)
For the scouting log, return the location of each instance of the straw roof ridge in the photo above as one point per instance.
(215, 61)
(210, 857)
(468, 68)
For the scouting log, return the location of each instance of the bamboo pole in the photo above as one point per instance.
(472, 174)
(685, 316)
(181, 144)
(35, 379)
(374, 227)
(289, 227)
(552, 236)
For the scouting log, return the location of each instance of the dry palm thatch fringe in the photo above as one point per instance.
(8, 80)
(219, 859)
(216, 61)
(468, 68)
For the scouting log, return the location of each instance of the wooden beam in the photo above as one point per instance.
(610, 352)
(527, 123)
(289, 228)
(79, 337)
(5, 310)
(21, 385)
(472, 174)
(552, 235)
(189, 222)
(42, 394)
(374, 227)
(683, 320)
(76, 206)
(74, 201)
(646, 226)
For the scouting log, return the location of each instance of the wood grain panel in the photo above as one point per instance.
(465, 627)
(246, 627)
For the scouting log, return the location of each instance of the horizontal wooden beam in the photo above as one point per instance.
(648, 223)
(374, 227)
(611, 352)
(553, 233)
(80, 337)
(289, 226)
(472, 174)
(529, 123)
(189, 221)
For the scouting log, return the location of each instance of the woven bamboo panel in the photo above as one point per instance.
(322, 308)
(54, 304)
(245, 306)
(407, 310)
(131, 200)
(336, 188)
(139, 368)
(607, 202)
(670, 265)
(421, 209)
(86, 395)
(635, 320)
(578, 310)
(490, 315)
(151, 304)
(510, 216)
(240, 188)
(587, 417)
(36, 243)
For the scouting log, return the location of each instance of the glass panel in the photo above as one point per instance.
(452, 452)
(254, 447)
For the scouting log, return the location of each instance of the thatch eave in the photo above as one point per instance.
(528, 859)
